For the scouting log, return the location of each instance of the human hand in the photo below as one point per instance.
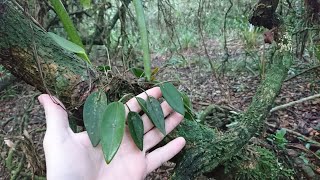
(71, 156)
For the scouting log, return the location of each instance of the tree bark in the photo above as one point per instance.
(66, 76)
(264, 14)
(25, 47)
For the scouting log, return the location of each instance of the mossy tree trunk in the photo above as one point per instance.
(67, 77)
(25, 47)
(208, 148)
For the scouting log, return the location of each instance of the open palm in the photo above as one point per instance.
(71, 156)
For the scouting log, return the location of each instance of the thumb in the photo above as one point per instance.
(56, 116)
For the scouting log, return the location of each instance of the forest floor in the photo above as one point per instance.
(21, 114)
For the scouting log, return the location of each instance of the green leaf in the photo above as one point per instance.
(104, 68)
(85, 3)
(188, 107)
(186, 100)
(143, 104)
(281, 133)
(69, 46)
(155, 113)
(112, 129)
(189, 115)
(153, 110)
(93, 110)
(66, 44)
(144, 37)
(69, 26)
(137, 72)
(135, 125)
(173, 97)
(67, 22)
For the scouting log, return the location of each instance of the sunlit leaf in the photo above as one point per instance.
(137, 72)
(135, 125)
(173, 97)
(93, 110)
(112, 129)
(69, 46)
(155, 113)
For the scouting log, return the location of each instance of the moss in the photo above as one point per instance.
(256, 163)
(210, 148)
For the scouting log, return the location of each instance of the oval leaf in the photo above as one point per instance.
(135, 125)
(143, 104)
(155, 113)
(137, 72)
(112, 129)
(173, 97)
(93, 110)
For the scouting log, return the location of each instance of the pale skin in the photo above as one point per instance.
(71, 156)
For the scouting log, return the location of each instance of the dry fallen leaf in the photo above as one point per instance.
(9, 143)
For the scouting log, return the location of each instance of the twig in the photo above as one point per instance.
(302, 136)
(38, 63)
(296, 134)
(226, 50)
(200, 24)
(309, 69)
(214, 72)
(294, 102)
(4, 124)
(28, 15)
(228, 106)
(304, 149)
